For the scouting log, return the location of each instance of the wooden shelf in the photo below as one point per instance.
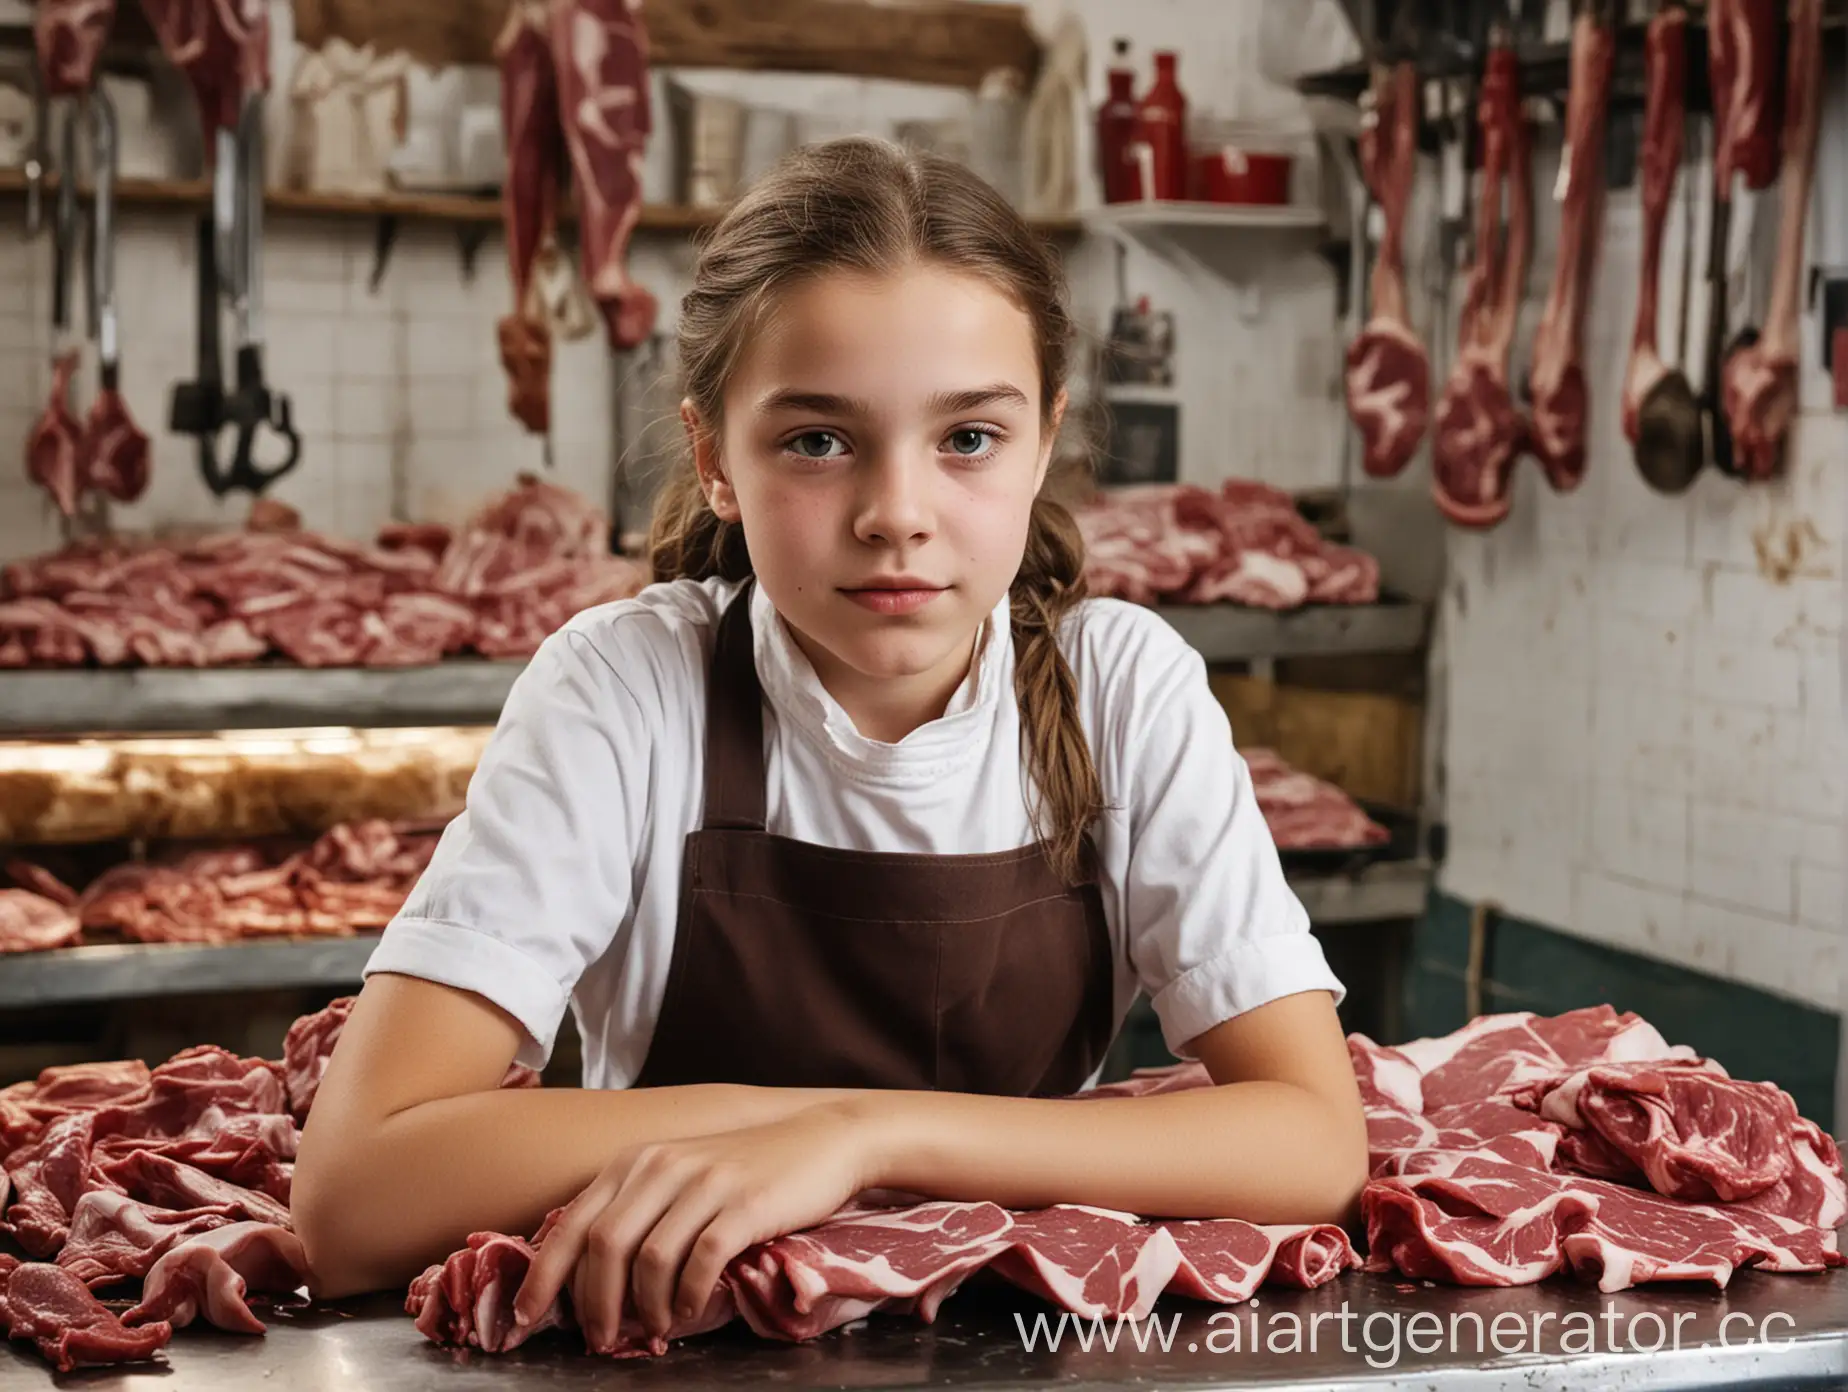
(944, 42)
(418, 207)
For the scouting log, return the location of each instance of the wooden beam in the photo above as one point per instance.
(944, 42)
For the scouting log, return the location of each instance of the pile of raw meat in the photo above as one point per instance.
(1246, 544)
(1306, 813)
(522, 565)
(1516, 1148)
(1521, 1146)
(354, 877)
(175, 1177)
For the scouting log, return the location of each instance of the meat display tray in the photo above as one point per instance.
(167, 699)
(470, 692)
(1234, 633)
(130, 971)
(1402, 844)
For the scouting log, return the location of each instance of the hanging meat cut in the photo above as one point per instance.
(529, 202)
(600, 54)
(1556, 384)
(1758, 385)
(69, 36)
(1388, 377)
(222, 49)
(54, 447)
(1480, 433)
(1742, 38)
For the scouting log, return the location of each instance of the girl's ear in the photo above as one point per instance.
(1051, 436)
(712, 481)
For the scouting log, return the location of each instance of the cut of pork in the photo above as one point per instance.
(1388, 378)
(1556, 377)
(211, 1274)
(600, 57)
(1479, 431)
(71, 1328)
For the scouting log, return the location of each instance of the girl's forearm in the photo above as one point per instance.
(1263, 1151)
(377, 1200)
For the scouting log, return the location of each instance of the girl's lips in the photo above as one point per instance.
(893, 601)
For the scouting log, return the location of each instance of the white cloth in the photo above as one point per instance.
(559, 882)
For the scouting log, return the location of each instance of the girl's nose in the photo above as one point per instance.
(895, 504)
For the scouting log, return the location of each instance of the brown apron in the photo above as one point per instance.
(798, 965)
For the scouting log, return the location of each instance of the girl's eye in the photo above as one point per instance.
(814, 444)
(971, 442)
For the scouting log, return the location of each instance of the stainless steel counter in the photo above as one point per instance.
(370, 1346)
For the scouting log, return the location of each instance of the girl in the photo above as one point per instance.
(850, 844)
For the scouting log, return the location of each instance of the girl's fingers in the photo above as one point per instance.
(609, 1251)
(724, 1238)
(663, 1252)
(557, 1259)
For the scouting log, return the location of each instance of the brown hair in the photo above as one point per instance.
(866, 205)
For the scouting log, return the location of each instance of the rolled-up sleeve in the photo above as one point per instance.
(532, 882)
(1214, 929)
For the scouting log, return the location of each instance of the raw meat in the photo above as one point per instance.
(356, 876)
(1742, 37)
(54, 446)
(529, 203)
(1304, 812)
(1557, 374)
(252, 1151)
(600, 56)
(1664, 115)
(69, 36)
(32, 923)
(908, 1260)
(210, 1273)
(306, 1050)
(70, 1326)
(1693, 1132)
(526, 563)
(1479, 1220)
(1388, 378)
(1470, 1185)
(221, 48)
(115, 456)
(27, 1108)
(1758, 385)
(1247, 544)
(1480, 433)
(115, 1238)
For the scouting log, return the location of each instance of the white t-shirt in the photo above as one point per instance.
(560, 881)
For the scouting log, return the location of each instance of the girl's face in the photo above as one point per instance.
(882, 446)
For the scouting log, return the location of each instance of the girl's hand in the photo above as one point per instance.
(661, 1223)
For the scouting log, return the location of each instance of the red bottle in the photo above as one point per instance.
(1161, 135)
(1116, 128)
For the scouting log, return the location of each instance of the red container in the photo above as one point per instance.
(1234, 174)
(1116, 129)
(1159, 147)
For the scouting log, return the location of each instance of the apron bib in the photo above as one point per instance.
(797, 965)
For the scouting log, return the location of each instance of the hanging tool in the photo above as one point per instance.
(115, 451)
(197, 407)
(253, 407)
(38, 158)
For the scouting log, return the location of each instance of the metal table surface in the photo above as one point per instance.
(1784, 1331)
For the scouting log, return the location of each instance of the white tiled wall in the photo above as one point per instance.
(1644, 743)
